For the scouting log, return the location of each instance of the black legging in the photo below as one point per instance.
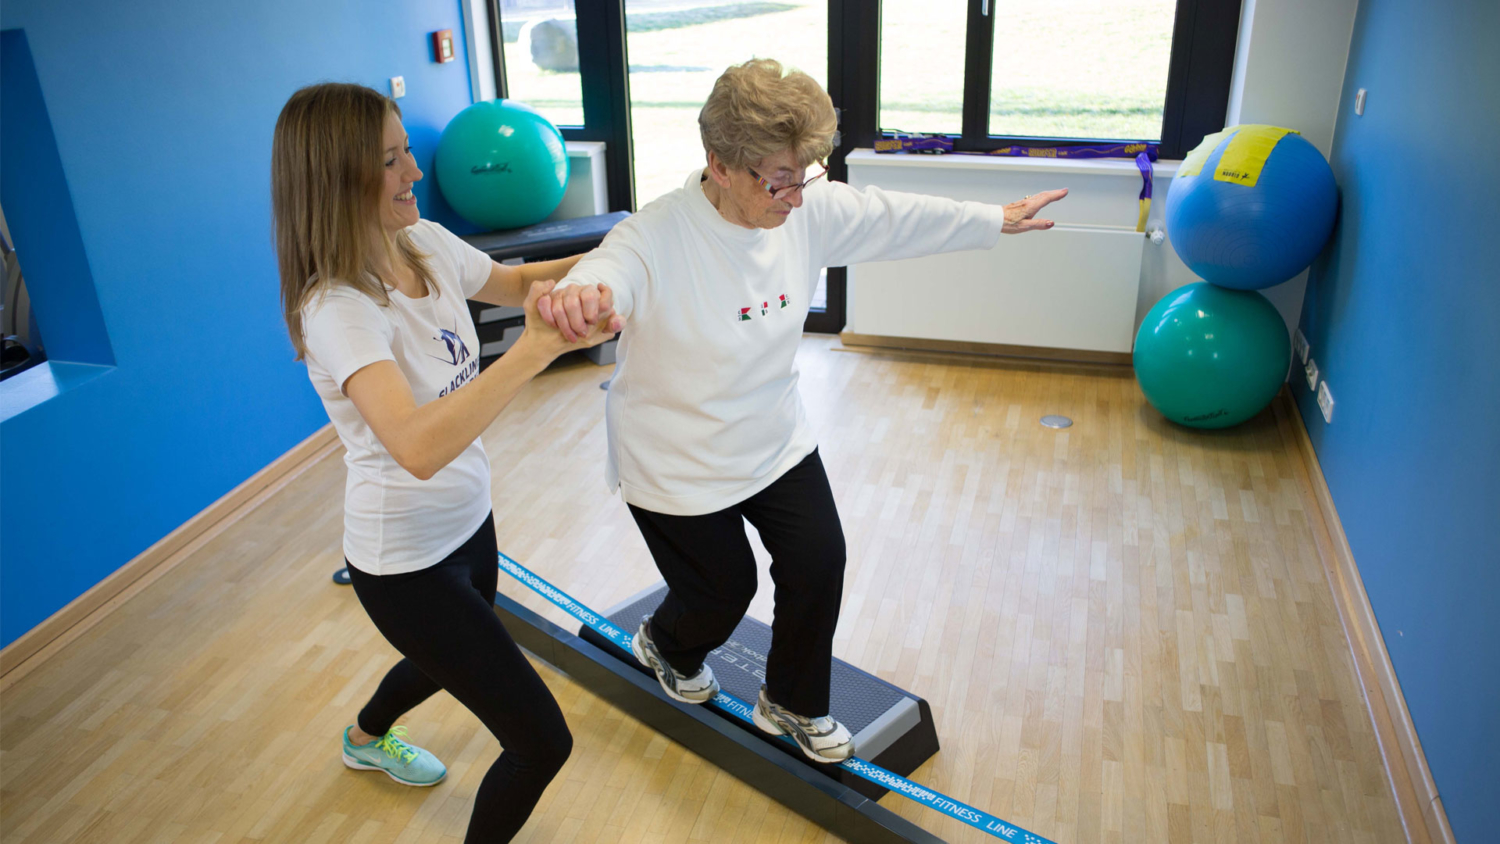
(442, 620)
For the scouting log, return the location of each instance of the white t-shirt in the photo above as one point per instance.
(703, 410)
(393, 522)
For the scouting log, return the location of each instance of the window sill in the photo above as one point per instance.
(1088, 166)
(44, 381)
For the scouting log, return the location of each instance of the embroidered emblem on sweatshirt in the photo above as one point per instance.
(744, 314)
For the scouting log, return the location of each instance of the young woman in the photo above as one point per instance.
(374, 302)
(705, 425)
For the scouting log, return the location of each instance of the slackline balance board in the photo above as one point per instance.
(890, 726)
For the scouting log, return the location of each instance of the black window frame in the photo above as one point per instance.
(1204, 37)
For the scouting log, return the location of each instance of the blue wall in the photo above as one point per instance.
(1403, 315)
(162, 113)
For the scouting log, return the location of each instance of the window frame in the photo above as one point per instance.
(1195, 103)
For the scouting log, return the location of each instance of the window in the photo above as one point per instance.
(541, 57)
(991, 72)
(1080, 68)
(922, 66)
(676, 52)
(22, 348)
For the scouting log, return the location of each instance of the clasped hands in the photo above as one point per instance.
(581, 313)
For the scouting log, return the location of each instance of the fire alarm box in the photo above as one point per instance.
(442, 46)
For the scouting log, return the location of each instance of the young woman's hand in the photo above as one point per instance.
(549, 342)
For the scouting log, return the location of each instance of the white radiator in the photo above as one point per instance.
(1073, 287)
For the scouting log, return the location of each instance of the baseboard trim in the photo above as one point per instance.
(1417, 798)
(1030, 353)
(32, 649)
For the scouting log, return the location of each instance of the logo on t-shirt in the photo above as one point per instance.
(458, 351)
(458, 355)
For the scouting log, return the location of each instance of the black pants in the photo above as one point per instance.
(442, 620)
(710, 574)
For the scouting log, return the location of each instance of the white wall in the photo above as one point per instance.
(1288, 71)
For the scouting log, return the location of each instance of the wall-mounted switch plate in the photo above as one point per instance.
(398, 87)
(1300, 347)
(1359, 102)
(1325, 402)
(1310, 369)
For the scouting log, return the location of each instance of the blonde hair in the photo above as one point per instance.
(757, 109)
(326, 180)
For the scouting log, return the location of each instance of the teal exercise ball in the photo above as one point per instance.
(1211, 357)
(502, 165)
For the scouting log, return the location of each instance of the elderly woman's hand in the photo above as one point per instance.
(1018, 215)
(548, 340)
(573, 310)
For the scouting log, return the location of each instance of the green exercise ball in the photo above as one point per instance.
(1211, 357)
(501, 165)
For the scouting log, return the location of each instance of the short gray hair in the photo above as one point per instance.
(758, 109)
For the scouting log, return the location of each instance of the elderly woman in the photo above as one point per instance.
(706, 428)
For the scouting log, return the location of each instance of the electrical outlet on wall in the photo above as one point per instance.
(1325, 402)
(1300, 347)
(1310, 369)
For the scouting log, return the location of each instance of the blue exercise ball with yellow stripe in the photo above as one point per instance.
(1251, 206)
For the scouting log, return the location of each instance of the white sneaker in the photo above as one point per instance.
(821, 739)
(699, 688)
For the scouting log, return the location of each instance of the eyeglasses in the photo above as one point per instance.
(786, 190)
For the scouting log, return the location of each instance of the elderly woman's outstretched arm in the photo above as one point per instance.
(856, 226)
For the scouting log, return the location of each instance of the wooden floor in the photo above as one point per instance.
(1123, 627)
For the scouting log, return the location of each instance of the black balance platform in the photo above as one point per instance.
(733, 747)
(892, 728)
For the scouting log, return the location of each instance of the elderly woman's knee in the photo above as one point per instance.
(738, 591)
(829, 548)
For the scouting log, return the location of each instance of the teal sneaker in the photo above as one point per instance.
(402, 762)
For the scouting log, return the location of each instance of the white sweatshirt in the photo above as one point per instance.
(703, 410)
